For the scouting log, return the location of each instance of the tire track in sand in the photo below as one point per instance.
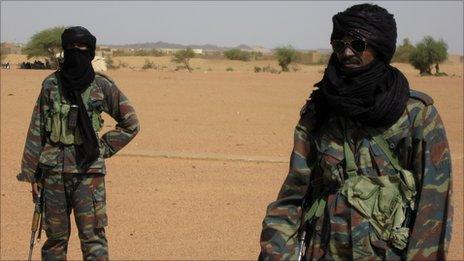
(202, 156)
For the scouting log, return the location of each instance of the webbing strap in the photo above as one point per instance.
(383, 144)
(86, 92)
(317, 208)
(350, 161)
(86, 95)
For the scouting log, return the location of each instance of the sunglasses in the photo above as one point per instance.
(80, 46)
(356, 45)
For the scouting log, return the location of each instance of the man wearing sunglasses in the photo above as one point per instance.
(370, 171)
(64, 156)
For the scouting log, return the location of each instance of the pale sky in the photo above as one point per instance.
(303, 24)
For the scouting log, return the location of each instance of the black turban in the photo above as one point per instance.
(370, 23)
(79, 34)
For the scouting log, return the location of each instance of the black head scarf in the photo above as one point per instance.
(370, 23)
(76, 75)
(375, 94)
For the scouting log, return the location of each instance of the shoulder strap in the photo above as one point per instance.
(350, 160)
(424, 98)
(383, 144)
(86, 94)
(105, 76)
(59, 85)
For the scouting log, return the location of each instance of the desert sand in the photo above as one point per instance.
(211, 154)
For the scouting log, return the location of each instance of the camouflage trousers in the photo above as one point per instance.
(84, 194)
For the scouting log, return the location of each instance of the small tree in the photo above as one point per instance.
(148, 65)
(3, 54)
(440, 54)
(403, 52)
(285, 56)
(256, 55)
(427, 53)
(183, 57)
(46, 43)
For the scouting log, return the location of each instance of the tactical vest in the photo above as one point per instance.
(382, 200)
(57, 118)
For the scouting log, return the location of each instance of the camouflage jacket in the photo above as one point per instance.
(418, 138)
(40, 152)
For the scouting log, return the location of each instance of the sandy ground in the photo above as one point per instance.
(211, 154)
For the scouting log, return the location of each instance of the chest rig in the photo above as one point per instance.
(381, 199)
(57, 118)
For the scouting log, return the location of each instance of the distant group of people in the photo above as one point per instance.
(35, 65)
(6, 65)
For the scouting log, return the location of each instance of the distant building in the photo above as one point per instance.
(174, 50)
(261, 49)
(324, 51)
(11, 48)
(168, 50)
(104, 51)
(314, 56)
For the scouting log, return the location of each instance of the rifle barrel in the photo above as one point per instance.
(31, 245)
(36, 219)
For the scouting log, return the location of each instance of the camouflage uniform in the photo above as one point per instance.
(66, 187)
(418, 138)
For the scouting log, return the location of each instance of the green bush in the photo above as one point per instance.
(429, 52)
(267, 68)
(148, 65)
(139, 52)
(229, 69)
(285, 56)
(183, 57)
(237, 54)
(403, 52)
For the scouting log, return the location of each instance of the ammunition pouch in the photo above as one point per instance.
(58, 116)
(383, 201)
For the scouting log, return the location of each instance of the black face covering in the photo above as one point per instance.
(75, 76)
(77, 70)
(375, 94)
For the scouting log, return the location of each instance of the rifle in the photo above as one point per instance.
(302, 231)
(36, 221)
(308, 218)
(302, 244)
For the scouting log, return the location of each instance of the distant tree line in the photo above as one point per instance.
(238, 54)
(423, 56)
(140, 52)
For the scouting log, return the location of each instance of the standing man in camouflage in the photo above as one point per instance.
(370, 171)
(64, 154)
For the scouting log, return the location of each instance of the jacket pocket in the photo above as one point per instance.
(49, 155)
(99, 202)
